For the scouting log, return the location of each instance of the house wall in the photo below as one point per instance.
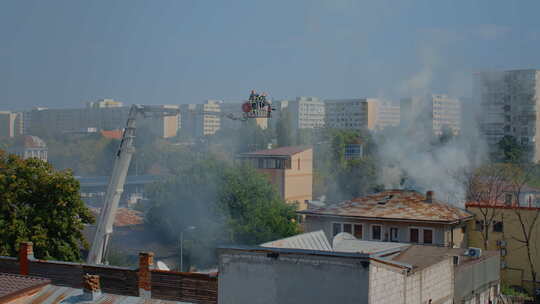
(248, 276)
(382, 276)
(514, 253)
(441, 233)
(298, 184)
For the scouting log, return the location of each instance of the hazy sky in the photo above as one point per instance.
(62, 53)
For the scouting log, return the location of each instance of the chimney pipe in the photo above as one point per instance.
(429, 196)
(146, 260)
(91, 289)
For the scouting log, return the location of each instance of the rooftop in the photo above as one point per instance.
(124, 216)
(282, 151)
(112, 134)
(13, 286)
(403, 205)
(313, 241)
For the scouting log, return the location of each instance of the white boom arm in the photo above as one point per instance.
(122, 160)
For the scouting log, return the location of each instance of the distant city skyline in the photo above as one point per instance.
(62, 53)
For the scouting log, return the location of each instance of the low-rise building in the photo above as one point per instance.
(355, 272)
(393, 216)
(505, 226)
(28, 146)
(289, 169)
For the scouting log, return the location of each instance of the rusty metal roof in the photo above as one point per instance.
(403, 205)
(52, 294)
(283, 151)
(13, 286)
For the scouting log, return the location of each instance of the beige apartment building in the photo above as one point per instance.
(289, 169)
(201, 119)
(388, 115)
(165, 126)
(509, 102)
(434, 112)
(10, 124)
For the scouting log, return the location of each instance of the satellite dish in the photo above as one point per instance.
(162, 266)
(342, 236)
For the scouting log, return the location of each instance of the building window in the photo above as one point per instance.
(414, 235)
(394, 234)
(299, 164)
(479, 225)
(376, 232)
(428, 236)
(498, 227)
(508, 199)
(358, 231)
(336, 228)
(347, 228)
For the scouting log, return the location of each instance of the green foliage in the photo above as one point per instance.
(227, 204)
(512, 151)
(41, 205)
(285, 136)
(509, 291)
(117, 257)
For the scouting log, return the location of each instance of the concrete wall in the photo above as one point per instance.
(381, 277)
(271, 276)
(441, 235)
(477, 279)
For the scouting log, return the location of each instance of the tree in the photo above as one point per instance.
(486, 187)
(228, 204)
(285, 136)
(512, 150)
(41, 205)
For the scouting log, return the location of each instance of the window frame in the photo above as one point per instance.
(421, 235)
(363, 230)
(418, 237)
(390, 234)
(432, 236)
(371, 232)
(353, 230)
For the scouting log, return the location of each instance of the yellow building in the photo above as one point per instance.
(290, 169)
(499, 226)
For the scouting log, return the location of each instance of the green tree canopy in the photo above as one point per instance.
(41, 205)
(228, 205)
(512, 151)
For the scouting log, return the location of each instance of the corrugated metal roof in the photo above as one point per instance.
(53, 294)
(396, 205)
(13, 286)
(311, 241)
(345, 242)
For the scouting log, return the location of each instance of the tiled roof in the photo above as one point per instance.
(394, 205)
(112, 134)
(315, 240)
(12, 286)
(124, 216)
(283, 151)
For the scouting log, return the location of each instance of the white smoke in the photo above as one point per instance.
(412, 156)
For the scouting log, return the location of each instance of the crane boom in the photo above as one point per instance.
(115, 188)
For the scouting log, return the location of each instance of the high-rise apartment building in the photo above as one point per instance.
(162, 126)
(351, 114)
(433, 113)
(306, 113)
(201, 119)
(10, 124)
(388, 115)
(509, 102)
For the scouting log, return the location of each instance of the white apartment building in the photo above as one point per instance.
(10, 124)
(434, 112)
(509, 102)
(306, 113)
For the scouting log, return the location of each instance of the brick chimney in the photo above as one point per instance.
(430, 196)
(26, 254)
(146, 259)
(91, 288)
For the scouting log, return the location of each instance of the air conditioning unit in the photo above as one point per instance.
(503, 252)
(501, 243)
(503, 265)
(473, 252)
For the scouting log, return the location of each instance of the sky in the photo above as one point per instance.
(62, 53)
